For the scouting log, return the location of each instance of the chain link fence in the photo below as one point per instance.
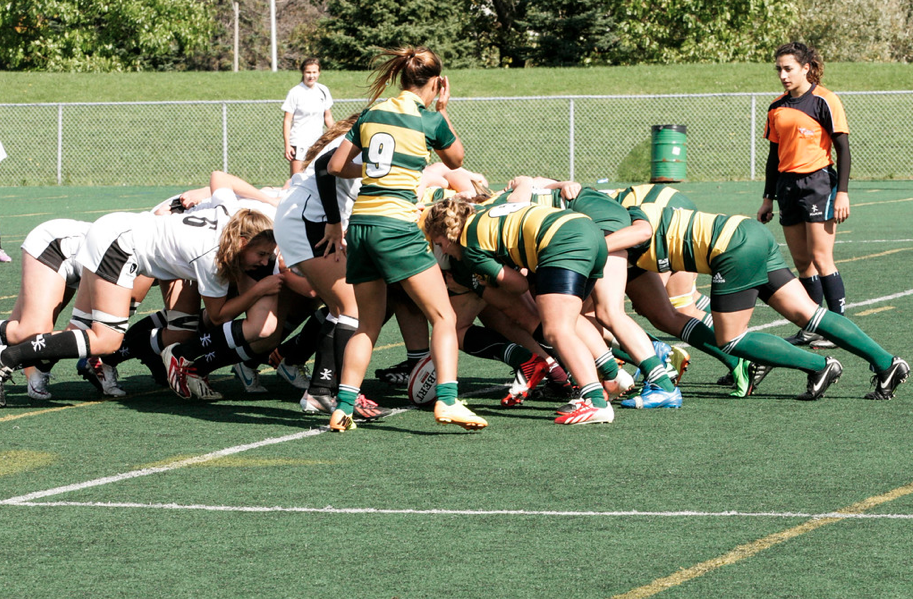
(586, 138)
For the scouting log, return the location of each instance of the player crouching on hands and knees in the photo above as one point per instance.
(566, 252)
(745, 263)
(384, 243)
(121, 246)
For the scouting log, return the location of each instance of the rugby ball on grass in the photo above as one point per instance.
(422, 389)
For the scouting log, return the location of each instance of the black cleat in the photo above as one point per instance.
(818, 382)
(397, 375)
(887, 380)
(757, 372)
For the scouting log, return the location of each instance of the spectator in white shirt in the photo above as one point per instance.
(307, 110)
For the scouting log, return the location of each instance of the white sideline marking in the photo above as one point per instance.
(876, 300)
(172, 466)
(25, 499)
(438, 512)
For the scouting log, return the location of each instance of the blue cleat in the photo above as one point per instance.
(664, 352)
(653, 396)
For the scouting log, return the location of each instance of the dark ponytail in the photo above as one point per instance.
(804, 56)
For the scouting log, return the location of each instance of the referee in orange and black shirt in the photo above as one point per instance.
(802, 126)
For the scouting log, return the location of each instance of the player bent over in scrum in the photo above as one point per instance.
(745, 263)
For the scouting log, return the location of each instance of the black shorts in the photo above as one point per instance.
(564, 281)
(746, 299)
(806, 197)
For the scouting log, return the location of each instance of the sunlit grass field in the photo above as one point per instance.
(154, 496)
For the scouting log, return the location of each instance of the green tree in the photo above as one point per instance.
(354, 30)
(570, 32)
(857, 30)
(500, 31)
(102, 35)
(668, 31)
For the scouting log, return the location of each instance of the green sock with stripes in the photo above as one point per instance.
(345, 398)
(447, 392)
(655, 372)
(843, 332)
(607, 366)
(774, 351)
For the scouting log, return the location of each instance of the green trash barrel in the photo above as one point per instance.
(668, 153)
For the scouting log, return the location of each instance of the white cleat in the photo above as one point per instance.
(296, 376)
(249, 377)
(38, 385)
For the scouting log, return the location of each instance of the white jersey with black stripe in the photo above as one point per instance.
(184, 246)
(303, 198)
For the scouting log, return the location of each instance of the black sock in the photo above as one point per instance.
(137, 342)
(345, 328)
(813, 287)
(413, 357)
(221, 346)
(207, 341)
(3, 331)
(324, 380)
(302, 346)
(42, 347)
(834, 292)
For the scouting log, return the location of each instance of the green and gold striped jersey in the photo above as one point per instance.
(683, 240)
(551, 198)
(510, 235)
(436, 194)
(396, 138)
(661, 195)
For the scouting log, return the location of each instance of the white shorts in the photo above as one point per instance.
(297, 239)
(55, 244)
(109, 250)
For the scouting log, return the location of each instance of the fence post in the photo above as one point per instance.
(571, 139)
(751, 135)
(224, 137)
(59, 144)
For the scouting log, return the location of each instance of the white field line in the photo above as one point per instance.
(876, 300)
(106, 480)
(167, 467)
(25, 499)
(440, 512)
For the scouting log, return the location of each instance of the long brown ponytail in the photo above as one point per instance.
(338, 128)
(413, 66)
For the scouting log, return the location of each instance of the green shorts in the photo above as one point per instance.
(752, 253)
(389, 253)
(578, 245)
(680, 200)
(608, 214)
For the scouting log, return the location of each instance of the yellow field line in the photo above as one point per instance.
(749, 549)
(26, 215)
(887, 202)
(49, 410)
(875, 311)
(878, 255)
